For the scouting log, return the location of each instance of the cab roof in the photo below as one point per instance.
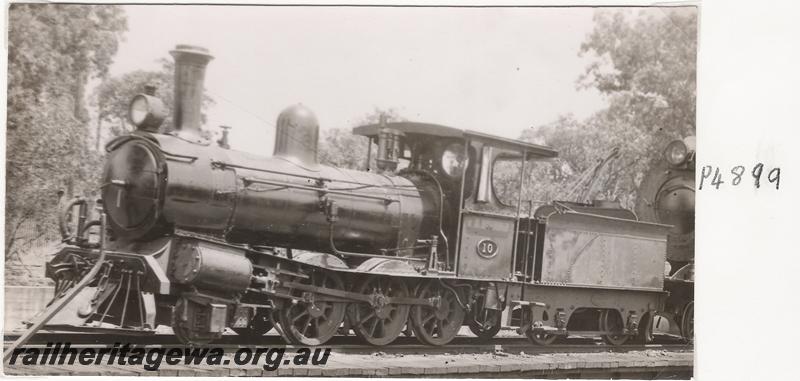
(429, 129)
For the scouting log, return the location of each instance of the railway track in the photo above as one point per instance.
(351, 344)
(464, 357)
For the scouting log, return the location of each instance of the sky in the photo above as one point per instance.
(495, 70)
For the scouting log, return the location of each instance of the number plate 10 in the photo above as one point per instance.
(486, 248)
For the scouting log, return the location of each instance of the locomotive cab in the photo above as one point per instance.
(479, 226)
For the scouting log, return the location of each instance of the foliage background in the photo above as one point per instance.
(53, 52)
(646, 66)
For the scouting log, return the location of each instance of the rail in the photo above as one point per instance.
(351, 344)
(62, 302)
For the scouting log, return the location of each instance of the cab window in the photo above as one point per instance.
(505, 180)
(453, 160)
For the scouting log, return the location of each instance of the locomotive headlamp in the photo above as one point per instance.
(676, 152)
(146, 112)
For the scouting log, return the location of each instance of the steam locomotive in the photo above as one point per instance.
(201, 238)
(666, 196)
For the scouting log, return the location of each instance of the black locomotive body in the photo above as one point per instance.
(666, 196)
(203, 238)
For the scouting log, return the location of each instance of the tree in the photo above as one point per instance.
(113, 96)
(340, 148)
(53, 51)
(646, 65)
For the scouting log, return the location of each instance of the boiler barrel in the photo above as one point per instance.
(276, 201)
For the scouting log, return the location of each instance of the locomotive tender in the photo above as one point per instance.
(200, 237)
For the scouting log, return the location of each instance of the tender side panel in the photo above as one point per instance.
(583, 249)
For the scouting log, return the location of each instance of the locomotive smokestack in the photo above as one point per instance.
(297, 134)
(190, 70)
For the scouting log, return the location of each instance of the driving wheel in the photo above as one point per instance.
(379, 322)
(437, 324)
(313, 320)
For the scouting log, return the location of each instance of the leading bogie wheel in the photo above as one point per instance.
(183, 333)
(610, 321)
(312, 321)
(259, 326)
(379, 322)
(190, 338)
(438, 324)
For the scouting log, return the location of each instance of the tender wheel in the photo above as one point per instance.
(687, 322)
(538, 338)
(645, 333)
(541, 338)
(313, 322)
(440, 324)
(611, 321)
(485, 323)
(380, 322)
(260, 325)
